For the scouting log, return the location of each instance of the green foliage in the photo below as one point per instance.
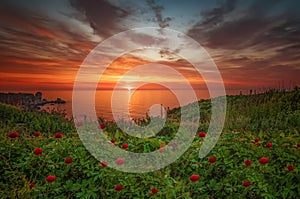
(271, 117)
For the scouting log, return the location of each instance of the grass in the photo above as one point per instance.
(271, 117)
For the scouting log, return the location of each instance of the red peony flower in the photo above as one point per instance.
(38, 151)
(79, 124)
(256, 139)
(269, 145)
(113, 140)
(50, 178)
(125, 146)
(31, 185)
(202, 134)
(248, 163)
(68, 160)
(104, 163)
(154, 190)
(13, 134)
(58, 135)
(161, 149)
(118, 187)
(246, 183)
(101, 126)
(37, 134)
(194, 177)
(290, 168)
(263, 160)
(298, 145)
(212, 159)
(120, 161)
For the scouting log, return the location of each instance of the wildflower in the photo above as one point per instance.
(212, 159)
(248, 163)
(58, 135)
(50, 178)
(263, 160)
(79, 124)
(246, 183)
(256, 139)
(119, 187)
(154, 190)
(290, 168)
(120, 161)
(68, 160)
(31, 185)
(101, 126)
(104, 163)
(13, 134)
(194, 177)
(161, 149)
(125, 146)
(38, 151)
(36, 134)
(202, 134)
(269, 145)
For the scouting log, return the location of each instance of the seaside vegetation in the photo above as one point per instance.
(256, 156)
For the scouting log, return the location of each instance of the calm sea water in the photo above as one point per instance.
(138, 102)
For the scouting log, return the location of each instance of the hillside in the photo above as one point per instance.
(257, 155)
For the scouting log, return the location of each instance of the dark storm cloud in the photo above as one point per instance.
(216, 15)
(260, 40)
(157, 9)
(249, 27)
(102, 16)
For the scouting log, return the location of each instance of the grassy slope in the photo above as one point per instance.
(273, 117)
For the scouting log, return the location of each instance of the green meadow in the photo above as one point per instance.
(256, 156)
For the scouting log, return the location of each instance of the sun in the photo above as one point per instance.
(129, 88)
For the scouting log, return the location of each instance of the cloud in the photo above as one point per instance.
(104, 17)
(259, 40)
(162, 22)
(216, 15)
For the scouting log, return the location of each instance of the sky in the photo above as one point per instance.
(254, 44)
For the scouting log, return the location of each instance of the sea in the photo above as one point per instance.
(115, 105)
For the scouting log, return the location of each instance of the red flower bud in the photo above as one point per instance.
(248, 163)
(263, 160)
(68, 160)
(125, 146)
(58, 135)
(269, 145)
(50, 178)
(31, 185)
(104, 163)
(194, 177)
(290, 168)
(154, 190)
(101, 126)
(118, 187)
(37, 134)
(246, 183)
(38, 151)
(202, 134)
(161, 149)
(120, 161)
(13, 134)
(212, 159)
